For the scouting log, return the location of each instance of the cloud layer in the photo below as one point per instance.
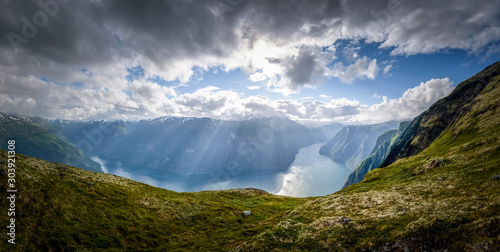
(70, 58)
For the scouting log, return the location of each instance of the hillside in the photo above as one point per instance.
(37, 138)
(431, 123)
(385, 143)
(354, 143)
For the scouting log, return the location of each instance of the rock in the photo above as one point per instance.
(345, 220)
(246, 213)
(436, 163)
(496, 177)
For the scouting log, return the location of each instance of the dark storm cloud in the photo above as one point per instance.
(169, 38)
(100, 32)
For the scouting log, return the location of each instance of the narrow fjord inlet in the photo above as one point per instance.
(249, 125)
(312, 174)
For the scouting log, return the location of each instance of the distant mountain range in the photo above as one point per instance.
(174, 144)
(354, 143)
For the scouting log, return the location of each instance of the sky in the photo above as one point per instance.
(311, 61)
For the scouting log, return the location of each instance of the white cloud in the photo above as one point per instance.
(209, 101)
(413, 102)
(387, 68)
(254, 87)
(257, 76)
(363, 68)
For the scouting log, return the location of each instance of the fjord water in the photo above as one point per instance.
(269, 181)
(311, 174)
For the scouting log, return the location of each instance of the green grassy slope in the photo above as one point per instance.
(445, 197)
(429, 125)
(57, 210)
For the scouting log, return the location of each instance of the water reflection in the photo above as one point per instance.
(309, 175)
(312, 174)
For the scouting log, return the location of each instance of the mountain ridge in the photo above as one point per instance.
(426, 127)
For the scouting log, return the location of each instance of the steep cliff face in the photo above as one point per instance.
(425, 128)
(385, 143)
(354, 143)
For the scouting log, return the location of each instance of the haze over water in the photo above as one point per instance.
(311, 174)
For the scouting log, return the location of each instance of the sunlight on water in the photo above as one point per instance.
(312, 174)
(309, 175)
